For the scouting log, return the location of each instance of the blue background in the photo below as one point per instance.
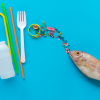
(50, 74)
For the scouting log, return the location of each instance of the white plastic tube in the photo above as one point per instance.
(6, 67)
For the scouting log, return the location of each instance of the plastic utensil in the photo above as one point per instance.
(16, 41)
(10, 38)
(6, 67)
(22, 24)
(6, 33)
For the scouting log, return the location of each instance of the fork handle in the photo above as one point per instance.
(22, 47)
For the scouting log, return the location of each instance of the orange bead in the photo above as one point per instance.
(35, 26)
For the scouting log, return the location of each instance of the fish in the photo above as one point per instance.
(87, 64)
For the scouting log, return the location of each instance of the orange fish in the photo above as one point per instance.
(89, 65)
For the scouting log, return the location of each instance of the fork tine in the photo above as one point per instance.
(20, 16)
(24, 17)
(17, 16)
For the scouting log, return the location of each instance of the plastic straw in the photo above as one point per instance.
(16, 41)
(10, 38)
(6, 33)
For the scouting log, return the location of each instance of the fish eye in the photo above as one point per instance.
(78, 53)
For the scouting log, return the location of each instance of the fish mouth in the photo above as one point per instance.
(72, 58)
(71, 55)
